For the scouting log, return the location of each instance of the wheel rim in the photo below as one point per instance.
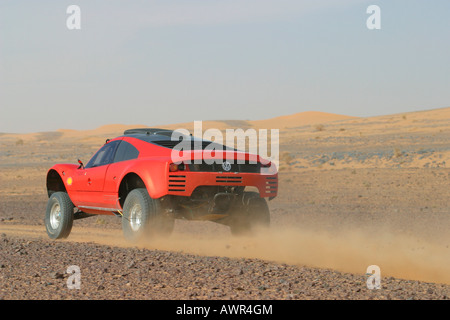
(136, 217)
(55, 216)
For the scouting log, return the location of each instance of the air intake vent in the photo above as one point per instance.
(271, 185)
(177, 182)
(228, 179)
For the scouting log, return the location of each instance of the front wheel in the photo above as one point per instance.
(59, 216)
(143, 218)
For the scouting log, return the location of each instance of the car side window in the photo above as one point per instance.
(104, 156)
(126, 151)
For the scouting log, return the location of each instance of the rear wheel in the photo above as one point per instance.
(252, 215)
(143, 217)
(59, 216)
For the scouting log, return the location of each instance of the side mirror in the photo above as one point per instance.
(81, 164)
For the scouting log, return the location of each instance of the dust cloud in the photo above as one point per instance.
(399, 256)
(345, 250)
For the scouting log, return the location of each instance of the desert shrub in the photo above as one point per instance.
(319, 127)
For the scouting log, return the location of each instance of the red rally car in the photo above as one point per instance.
(135, 177)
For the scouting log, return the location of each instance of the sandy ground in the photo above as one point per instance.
(354, 192)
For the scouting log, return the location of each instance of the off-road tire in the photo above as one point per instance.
(252, 215)
(143, 218)
(59, 216)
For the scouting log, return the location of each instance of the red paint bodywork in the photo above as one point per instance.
(96, 190)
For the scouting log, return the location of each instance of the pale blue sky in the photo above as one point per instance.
(160, 62)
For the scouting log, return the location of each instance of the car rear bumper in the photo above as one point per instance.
(184, 183)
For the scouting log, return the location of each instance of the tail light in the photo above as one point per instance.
(173, 167)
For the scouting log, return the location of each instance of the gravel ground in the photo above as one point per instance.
(37, 269)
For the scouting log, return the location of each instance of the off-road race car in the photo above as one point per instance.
(135, 177)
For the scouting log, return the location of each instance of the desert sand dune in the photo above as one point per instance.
(299, 119)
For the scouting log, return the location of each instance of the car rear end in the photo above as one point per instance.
(184, 177)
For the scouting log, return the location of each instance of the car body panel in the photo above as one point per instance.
(96, 189)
